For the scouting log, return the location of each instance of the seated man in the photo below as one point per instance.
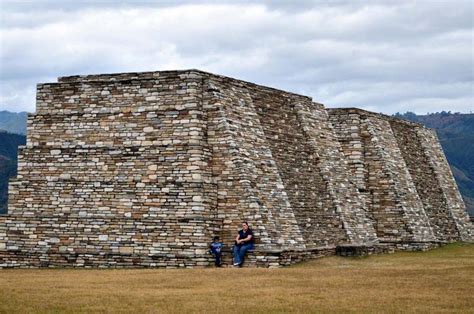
(243, 242)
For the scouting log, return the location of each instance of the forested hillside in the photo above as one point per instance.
(8, 160)
(13, 122)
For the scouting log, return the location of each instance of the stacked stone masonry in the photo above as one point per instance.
(143, 169)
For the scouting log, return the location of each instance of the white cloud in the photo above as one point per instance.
(386, 56)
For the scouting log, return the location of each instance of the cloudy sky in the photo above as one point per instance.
(385, 56)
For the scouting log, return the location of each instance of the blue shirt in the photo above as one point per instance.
(216, 247)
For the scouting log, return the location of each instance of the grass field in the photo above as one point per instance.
(441, 280)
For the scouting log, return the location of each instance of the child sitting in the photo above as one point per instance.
(215, 249)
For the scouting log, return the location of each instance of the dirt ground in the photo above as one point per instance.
(440, 280)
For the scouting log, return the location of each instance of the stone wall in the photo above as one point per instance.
(293, 166)
(454, 209)
(393, 165)
(246, 171)
(418, 160)
(142, 169)
(115, 167)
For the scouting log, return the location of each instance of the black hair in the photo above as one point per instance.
(244, 222)
(216, 238)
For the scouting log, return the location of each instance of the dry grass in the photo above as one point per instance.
(437, 281)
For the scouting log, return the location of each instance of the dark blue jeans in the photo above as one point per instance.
(239, 252)
(217, 257)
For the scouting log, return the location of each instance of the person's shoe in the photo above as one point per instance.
(236, 264)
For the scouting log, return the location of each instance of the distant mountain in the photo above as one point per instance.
(8, 163)
(13, 122)
(456, 134)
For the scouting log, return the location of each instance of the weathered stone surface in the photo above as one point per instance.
(142, 169)
(403, 177)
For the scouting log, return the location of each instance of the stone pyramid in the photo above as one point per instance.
(143, 169)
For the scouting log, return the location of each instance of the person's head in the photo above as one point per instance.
(216, 239)
(245, 226)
